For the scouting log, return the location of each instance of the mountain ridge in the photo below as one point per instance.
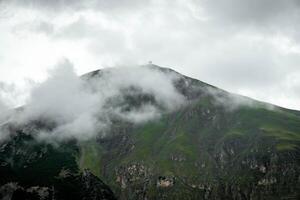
(98, 72)
(217, 145)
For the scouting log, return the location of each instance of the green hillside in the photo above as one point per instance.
(207, 152)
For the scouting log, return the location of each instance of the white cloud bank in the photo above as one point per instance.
(84, 109)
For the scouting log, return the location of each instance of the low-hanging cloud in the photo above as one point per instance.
(7, 92)
(4, 115)
(2, 106)
(231, 102)
(84, 107)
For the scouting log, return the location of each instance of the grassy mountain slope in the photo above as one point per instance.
(206, 150)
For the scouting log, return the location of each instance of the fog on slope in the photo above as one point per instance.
(4, 116)
(3, 107)
(83, 108)
(231, 102)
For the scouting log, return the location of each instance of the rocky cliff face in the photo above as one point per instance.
(215, 146)
(231, 166)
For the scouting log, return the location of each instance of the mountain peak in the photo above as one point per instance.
(216, 145)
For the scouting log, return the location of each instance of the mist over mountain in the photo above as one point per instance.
(82, 108)
(146, 132)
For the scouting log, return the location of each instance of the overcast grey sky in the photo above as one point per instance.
(250, 47)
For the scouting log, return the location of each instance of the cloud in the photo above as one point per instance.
(263, 16)
(36, 26)
(56, 5)
(8, 94)
(74, 5)
(4, 116)
(63, 101)
(69, 107)
(3, 110)
(2, 106)
(247, 47)
(140, 115)
(231, 102)
(257, 11)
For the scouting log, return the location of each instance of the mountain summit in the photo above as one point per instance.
(156, 134)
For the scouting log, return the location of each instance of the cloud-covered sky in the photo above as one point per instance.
(250, 47)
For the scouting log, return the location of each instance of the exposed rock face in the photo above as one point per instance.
(165, 182)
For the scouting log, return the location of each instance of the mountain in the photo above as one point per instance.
(215, 145)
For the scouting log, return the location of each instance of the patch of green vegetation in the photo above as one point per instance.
(206, 101)
(280, 134)
(90, 157)
(286, 147)
(181, 144)
(234, 134)
(146, 139)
